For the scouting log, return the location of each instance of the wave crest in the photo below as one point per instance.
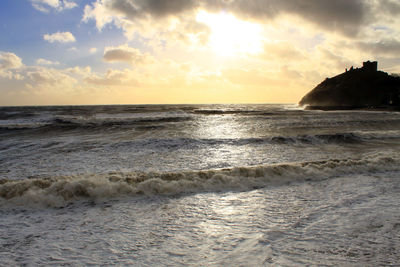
(59, 191)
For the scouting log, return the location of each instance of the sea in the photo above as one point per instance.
(199, 185)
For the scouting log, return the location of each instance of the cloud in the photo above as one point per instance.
(334, 60)
(42, 61)
(33, 85)
(42, 77)
(346, 17)
(343, 16)
(108, 11)
(282, 50)
(157, 21)
(92, 50)
(9, 61)
(113, 78)
(165, 82)
(58, 5)
(249, 77)
(390, 6)
(12, 68)
(127, 54)
(277, 78)
(80, 71)
(155, 8)
(62, 37)
(387, 47)
(100, 13)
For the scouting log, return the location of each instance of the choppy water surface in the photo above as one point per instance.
(207, 185)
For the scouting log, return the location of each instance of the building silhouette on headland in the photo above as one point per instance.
(363, 87)
(368, 66)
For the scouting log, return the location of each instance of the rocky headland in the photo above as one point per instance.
(357, 88)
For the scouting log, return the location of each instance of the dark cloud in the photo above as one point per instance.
(344, 16)
(335, 60)
(162, 7)
(340, 15)
(126, 54)
(389, 6)
(154, 8)
(389, 47)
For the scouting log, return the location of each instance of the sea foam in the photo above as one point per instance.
(61, 190)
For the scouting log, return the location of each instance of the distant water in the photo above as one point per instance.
(202, 185)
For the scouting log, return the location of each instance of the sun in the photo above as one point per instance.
(231, 36)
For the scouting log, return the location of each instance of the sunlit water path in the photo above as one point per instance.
(206, 185)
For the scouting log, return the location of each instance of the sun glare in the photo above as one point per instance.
(231, 36)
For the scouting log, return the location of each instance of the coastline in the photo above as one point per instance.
(362, 108)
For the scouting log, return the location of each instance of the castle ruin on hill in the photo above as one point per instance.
(364, 87)
(368, 66)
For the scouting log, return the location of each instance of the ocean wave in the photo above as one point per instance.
(200, 143)
(59, 191)
(117, 122)
(85, 124)
(233, 112)
(21, 126)
(4, 115)
(193, 143)
(337, 138)
(173, 144)
(320, 138)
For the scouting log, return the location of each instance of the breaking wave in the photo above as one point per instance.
(59, 191)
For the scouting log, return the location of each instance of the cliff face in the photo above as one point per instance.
(358, 88)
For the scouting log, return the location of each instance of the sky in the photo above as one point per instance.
(79, 52)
